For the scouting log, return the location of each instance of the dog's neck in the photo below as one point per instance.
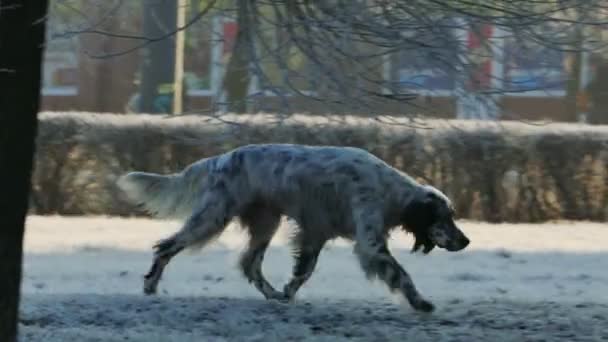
(438, 193)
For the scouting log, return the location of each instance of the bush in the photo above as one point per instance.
(493, 171)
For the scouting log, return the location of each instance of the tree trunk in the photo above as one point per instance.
(573, 85)
(574, 75)
(22, 35)
(158, 61)
(236, 79)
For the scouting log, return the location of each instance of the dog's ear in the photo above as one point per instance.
(419, 214)
(417, 217)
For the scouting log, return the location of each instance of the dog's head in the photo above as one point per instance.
(430, 217)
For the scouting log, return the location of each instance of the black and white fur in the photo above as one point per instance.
(329, 191)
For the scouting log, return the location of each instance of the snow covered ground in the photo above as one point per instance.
(83, 282)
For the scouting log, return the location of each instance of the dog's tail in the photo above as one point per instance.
(164, 196)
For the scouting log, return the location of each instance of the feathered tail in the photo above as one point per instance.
(164, 196)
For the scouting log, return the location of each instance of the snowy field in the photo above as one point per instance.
(83, 282)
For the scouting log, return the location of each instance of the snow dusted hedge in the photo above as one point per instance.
(503, 171)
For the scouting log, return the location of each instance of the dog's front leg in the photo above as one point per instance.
(251, 264)
(307, 250)
(377, 261)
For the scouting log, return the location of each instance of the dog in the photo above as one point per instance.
(328, 191)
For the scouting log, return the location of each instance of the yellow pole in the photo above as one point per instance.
(178, 89)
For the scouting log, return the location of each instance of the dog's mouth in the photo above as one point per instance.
(422, 240)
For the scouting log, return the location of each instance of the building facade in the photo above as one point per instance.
(88, 71)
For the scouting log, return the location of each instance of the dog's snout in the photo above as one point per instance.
(459, 244)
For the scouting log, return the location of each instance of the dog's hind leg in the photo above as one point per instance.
(153, 276)
(262, 223)
(207, 221)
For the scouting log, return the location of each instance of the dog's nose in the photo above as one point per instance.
(464, 241)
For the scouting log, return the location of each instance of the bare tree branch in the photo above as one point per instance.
(344, 45)
(145, 40)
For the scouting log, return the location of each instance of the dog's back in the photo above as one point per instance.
(296, 177)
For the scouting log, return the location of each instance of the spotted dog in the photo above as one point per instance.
(328, 191)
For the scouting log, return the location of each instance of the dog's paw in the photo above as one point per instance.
(149, 286)
(424, 306)
(278, 296)
(149, 291)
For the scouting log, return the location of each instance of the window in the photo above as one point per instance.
(533, 70)
(61, 58)
(198, 57)
(429, 70)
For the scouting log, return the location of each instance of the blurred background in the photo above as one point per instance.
(359, 57)
(500, 103)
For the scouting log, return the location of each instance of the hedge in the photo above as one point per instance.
(493, 171)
